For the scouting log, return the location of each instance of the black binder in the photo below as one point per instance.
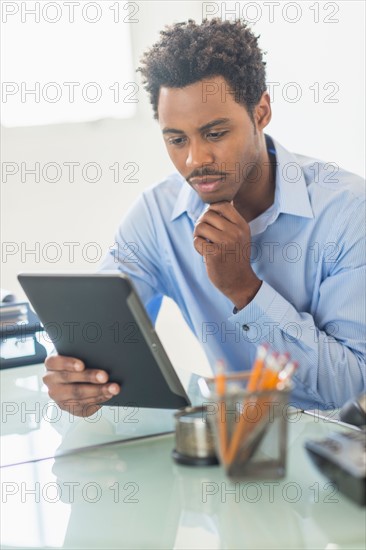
(18, 342)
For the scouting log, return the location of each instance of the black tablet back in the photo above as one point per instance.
(99, 319)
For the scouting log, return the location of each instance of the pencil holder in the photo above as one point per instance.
(250, 428)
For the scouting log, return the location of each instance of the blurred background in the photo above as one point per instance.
(79, 142)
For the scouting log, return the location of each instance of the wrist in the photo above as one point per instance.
(243, 298)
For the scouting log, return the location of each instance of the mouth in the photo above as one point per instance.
(207, 184)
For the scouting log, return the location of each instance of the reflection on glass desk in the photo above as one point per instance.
(33, 427)
(132, 495)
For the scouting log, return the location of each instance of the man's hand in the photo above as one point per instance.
(222, 237)
(76, 389)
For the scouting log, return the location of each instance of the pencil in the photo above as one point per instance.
(257, 369)
(220, 381)
(256, 375)
(270, 374)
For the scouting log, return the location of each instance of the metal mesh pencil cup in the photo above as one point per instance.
(250, 428)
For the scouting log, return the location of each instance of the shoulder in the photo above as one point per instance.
(330, 180)
(335, 194)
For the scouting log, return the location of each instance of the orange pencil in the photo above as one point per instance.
(256, 375)
(268, 382)
(257, 369)
(270, 374)
(220, 381)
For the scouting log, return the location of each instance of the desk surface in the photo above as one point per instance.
(132, 495)
(34, 428)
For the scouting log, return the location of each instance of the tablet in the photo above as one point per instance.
(100, 319)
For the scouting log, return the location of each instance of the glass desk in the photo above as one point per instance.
(132, 495)
(34, 428)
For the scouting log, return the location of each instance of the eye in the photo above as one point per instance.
(216, 135)
(176, 141)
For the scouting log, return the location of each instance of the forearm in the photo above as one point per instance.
(331, 365)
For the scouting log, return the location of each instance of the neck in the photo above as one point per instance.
(257, 193)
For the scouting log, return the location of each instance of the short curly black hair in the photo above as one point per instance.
(188, 52)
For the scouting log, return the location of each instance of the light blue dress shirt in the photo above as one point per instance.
(309, 250)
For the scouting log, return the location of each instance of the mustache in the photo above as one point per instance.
(205, 172)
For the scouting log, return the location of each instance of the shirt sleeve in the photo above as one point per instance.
(135, 253)
(330, 344)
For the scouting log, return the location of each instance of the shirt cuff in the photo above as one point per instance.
(266, 311)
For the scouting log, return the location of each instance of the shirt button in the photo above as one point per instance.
(245, 327)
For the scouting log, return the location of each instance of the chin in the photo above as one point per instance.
(217, 198)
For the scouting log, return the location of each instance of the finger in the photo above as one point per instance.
(227, 210)
(204, 248)
(93, 376)
(62, 362)
(209, 232)
(215, 219)
(81, 393)
(87, 402)
(198, 244)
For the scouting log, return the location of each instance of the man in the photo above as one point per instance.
(254, 244)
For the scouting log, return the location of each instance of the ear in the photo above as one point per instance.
(263, 111)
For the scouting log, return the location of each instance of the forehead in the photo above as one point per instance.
(197, 104)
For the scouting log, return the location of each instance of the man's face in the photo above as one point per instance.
(210, 139)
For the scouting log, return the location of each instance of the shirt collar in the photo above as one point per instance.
(188, 201)
(291, 195)
(291, 192)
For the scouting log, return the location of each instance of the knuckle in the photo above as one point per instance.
(77, 392)
(105, 394)
(50, 361)
(102, 398)
(89, 376)
(95, 402)
(46, 379)
(66, 376)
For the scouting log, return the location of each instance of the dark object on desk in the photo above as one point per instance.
(194, 440)
(354, 411)
(341, 457)
(17, 319)
(18, 327)
(7, 296)
(100, 319)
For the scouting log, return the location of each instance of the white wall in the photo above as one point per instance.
(304, 52)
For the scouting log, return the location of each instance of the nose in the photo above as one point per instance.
(199, 154)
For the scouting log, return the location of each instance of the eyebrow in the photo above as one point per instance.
(201, 129)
